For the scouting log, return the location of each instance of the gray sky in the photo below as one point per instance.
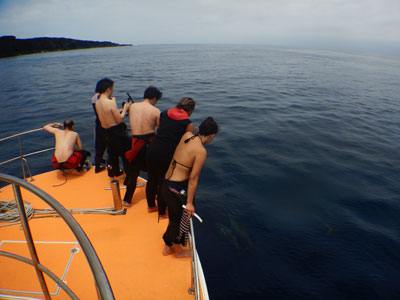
(366, 25)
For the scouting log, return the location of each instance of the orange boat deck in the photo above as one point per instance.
(129, 246)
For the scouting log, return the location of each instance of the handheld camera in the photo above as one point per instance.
(130, 100)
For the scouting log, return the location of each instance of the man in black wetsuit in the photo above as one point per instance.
(144, 117)
(111, 120)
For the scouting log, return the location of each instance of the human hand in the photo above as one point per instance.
(127, 105)
(190, 210)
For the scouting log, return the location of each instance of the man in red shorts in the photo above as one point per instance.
(68, 152)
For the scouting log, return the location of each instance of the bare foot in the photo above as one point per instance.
(183, 253)
(180, 252)
(76, 172)
(152, 209)
(126, 204)
(168, 250)
(163, 217)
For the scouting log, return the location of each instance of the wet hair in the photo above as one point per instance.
(187, 104)
(68, 124)
(103, 84)
(208, 127)
(152, 92)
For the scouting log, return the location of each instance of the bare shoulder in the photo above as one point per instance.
(186, 135)
(56, 131)
(138, 106)
(106, 103)
(156, 110)
(202, 151)
(133, 106)
(71, 134)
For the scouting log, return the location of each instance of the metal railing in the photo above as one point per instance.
(195, 288)
(22, 156)
(103, 286)
(199, 286)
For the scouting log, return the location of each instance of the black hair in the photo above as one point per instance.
(208, 127)
(68, 124)
(187, 104)
(103, 84)
(97, 89)
(152, 92)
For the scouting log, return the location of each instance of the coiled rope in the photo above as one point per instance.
(9, 211)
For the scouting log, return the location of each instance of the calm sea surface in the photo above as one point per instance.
(300, 194)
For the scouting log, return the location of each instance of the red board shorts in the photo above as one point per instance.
(72, 162)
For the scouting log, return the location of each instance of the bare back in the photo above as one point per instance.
(107, 111)
(143, 118)
(65, 143)
(189, 159)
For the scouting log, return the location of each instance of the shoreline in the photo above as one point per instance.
(10, 46)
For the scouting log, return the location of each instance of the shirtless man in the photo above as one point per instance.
(111, 119)
(144, 117)
(68, 152)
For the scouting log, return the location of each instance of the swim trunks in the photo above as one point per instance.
(138, 141)
(71, 163)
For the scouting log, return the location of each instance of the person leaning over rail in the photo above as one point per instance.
(68, 153)
(180, 184)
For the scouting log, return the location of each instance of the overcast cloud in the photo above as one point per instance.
(369, 25)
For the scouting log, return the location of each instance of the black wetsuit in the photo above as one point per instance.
(138, 164)
(118, 142)
(159, 156)
(174, 193)
(100, 138)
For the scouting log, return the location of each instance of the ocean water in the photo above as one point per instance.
(300, 194)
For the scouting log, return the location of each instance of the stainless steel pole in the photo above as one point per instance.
(29, 240)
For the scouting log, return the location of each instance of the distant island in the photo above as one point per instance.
(11, 46)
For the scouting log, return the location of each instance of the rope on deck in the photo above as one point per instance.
(9, 212)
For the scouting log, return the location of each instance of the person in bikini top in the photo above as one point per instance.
(182, 178)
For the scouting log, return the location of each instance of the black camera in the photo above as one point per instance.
(130, 100)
